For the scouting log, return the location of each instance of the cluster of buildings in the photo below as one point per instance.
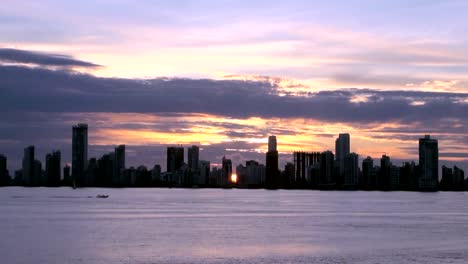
(308, 170)
(340, 170)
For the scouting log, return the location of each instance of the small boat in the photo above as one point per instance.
(102, 196)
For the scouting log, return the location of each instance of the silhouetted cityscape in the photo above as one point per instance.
(306, 170)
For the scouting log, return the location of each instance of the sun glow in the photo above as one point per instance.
(234, 178)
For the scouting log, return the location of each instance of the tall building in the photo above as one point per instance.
(105, 174)
(79, 153)
(28, 166)
(4, 177)
(289, 174)
(458, 178)
(351, 169)
(119, 165)
(428, 163)
(302, 162)
(327, 168)
(342, 148)
(272, 143)
(92, 172)
(272, 172)
(227, 171)
(368, 181)
(175, 158)
(66, 175)
(38, 179)
(53, 168)
(204, 175)
(156, 174)
(384, 178)
(192, 154)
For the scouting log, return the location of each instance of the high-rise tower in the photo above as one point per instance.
(79, 153)
(272, 173)
(428, 163)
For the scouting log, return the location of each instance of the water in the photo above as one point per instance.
(61, 225)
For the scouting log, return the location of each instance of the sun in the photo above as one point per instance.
(234, 178)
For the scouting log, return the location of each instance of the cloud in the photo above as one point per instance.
(41, 59)
(42, 90)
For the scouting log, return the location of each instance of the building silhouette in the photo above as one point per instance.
(251, 175)
(368, 173)
(92, 172)
(226, 171)
(4, 177)
(28, 167)
(193, 157)
(38, 174)
(119, 165)
(342, 149)
(204, 175)
(302, 162)
(351, 170)
(105, 175)
(272, 172)
(383, 181)
(175, 158)
(79, 153)
(428, 163)
(452, 179)
(67, 175)
(156, 175)
(53, 168)
(327, 169)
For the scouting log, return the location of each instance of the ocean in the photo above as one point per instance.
(62, 225)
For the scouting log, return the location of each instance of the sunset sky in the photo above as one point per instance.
(226, 74)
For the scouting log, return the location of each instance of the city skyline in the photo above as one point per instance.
(341, 144)
(225, 74)
(320, 169)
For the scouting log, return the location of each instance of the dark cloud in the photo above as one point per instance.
(42, 59)
(26, 89)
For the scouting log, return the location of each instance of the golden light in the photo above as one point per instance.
(234, 178)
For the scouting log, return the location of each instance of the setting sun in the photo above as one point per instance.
(234, 178)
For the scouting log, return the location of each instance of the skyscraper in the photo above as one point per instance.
(203, 177)
(53, 168)
(66, 175)
(383, 181)
(351, 171)
(4, 178)
(79, 153)
(106, 170)
(119, 165)
(302, 162)
(342, 148)
(272, 143)
(327, 168)
(28, 166)
(428, 163)
(192, 154)
(175, 158)
(368, 173)
(227, 171)
(38, 179)
(272, 172)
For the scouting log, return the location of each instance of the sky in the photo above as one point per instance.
(226, 74)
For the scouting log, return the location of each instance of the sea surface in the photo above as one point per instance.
(61, 225)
